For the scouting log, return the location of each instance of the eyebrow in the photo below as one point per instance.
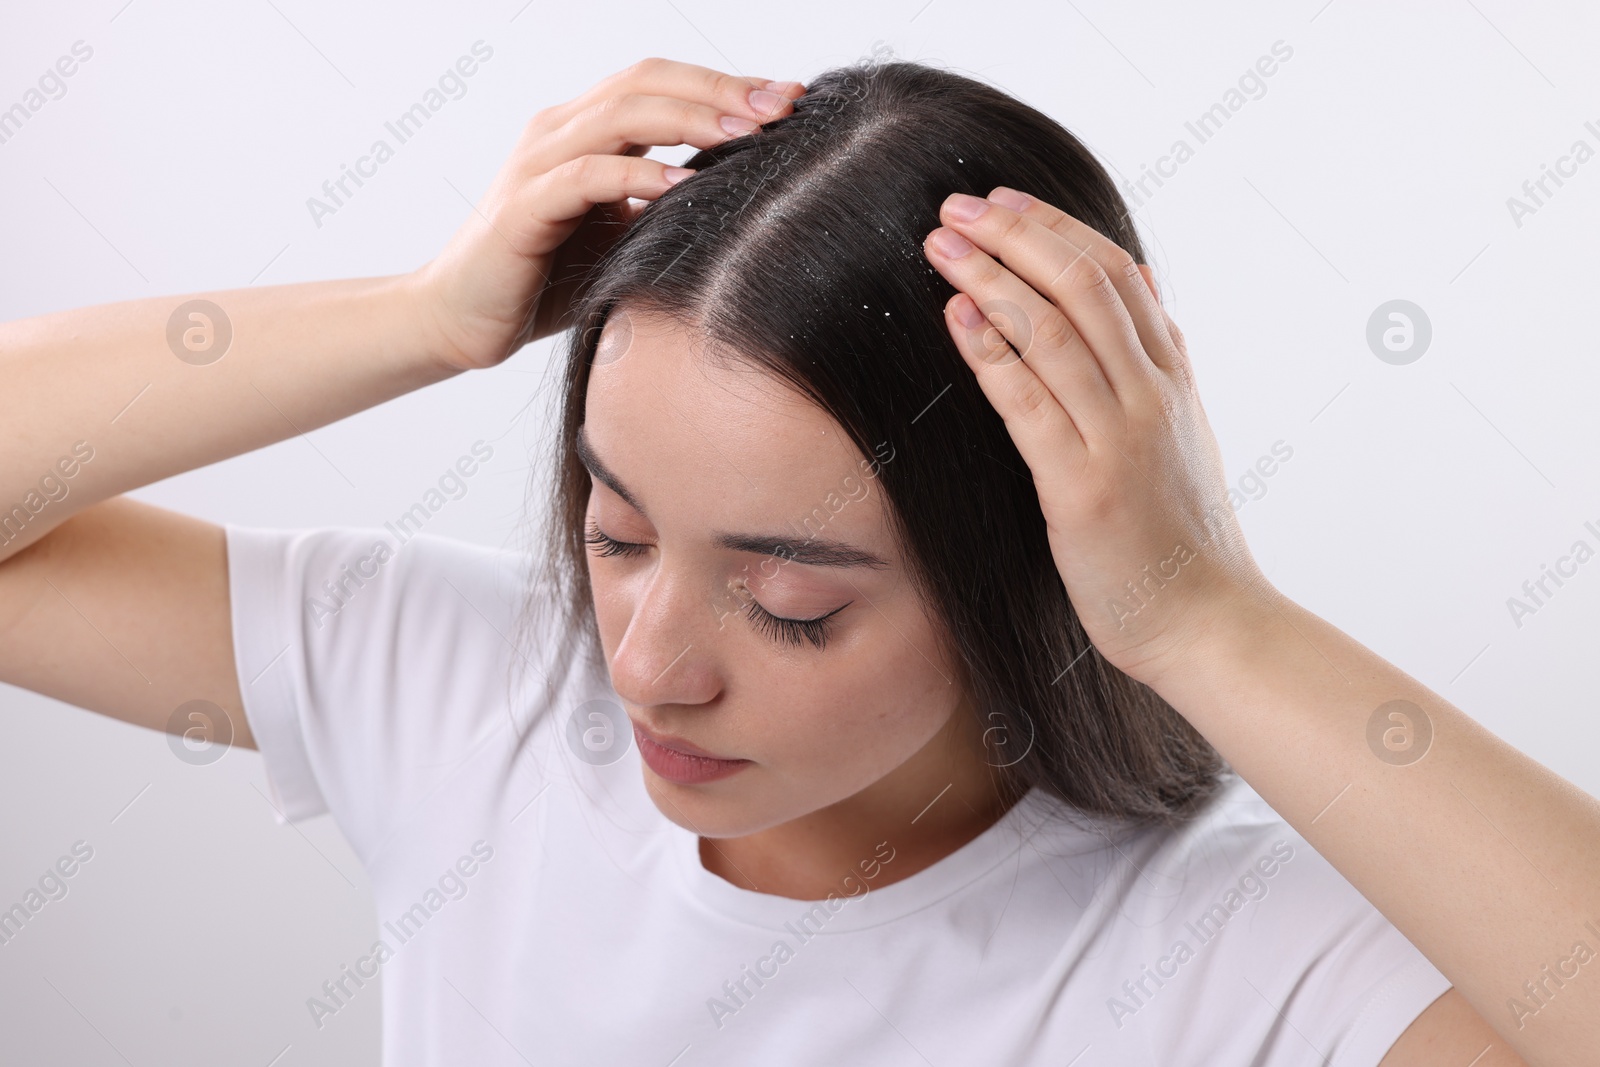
(812, 551)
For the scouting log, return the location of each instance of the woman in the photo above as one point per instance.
(897, 685)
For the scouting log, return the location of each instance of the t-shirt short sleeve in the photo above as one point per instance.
(1377, 984)
(371, 666)
(1365, 983)
(1258, 946)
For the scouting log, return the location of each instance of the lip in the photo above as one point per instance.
(679, 761)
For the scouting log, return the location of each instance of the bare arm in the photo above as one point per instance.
(98, 392)
(1488, 862)
(121, 607)
(123, 610)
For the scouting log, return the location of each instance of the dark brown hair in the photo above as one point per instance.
(798, 250)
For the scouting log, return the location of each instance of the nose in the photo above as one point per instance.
(667, 652)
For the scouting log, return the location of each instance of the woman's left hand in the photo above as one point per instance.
(1104, 410)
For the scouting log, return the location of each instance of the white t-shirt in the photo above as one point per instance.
(535, 907)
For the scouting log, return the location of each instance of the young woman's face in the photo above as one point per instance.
(716, 461)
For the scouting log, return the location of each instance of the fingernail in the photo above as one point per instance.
(764, 103)
(674, 175)
(782, 88)
(964, 207)
(736, 125)
(968, 315)
(950, 244)
(1010, 198)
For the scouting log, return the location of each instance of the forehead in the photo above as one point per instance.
(732, 446)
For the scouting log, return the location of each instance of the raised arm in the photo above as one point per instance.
(121, 607)
(105, 399)
(1486, 861)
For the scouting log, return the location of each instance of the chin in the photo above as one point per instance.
(713, 809)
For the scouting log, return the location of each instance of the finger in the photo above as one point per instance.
(1045, 338)
(1143, 303)
(630, 212)
(750, 98)
(1180, 358)
(1069, 276)
(1044, 431)
(1150, 280)
(668, 77)
(546, 210)
(791, 89)
(622, 123)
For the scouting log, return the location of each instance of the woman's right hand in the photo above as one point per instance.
(290, 358)
(562, 197)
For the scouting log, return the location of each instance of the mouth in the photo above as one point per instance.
(679, 761)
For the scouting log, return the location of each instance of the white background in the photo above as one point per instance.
(1376, 165)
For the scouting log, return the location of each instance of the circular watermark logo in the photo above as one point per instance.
(199, 732)
(1399, 332)
(616, 337)
(1008, 325)
(199, 332)
(598, 732)
(1005, 734)
(1399, 732)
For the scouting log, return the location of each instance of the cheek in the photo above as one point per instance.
(611, 608)
(609, 592)
(612, 615)
(862, 718)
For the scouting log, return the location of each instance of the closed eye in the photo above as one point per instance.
(786, 632)
(793, 631)
(609, 546)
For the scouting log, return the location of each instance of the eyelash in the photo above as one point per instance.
(784, 631)
(610, 546)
